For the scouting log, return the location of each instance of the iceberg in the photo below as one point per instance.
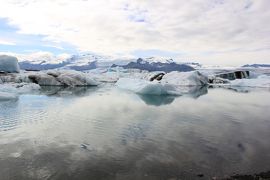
(243, 85)
(193, 78)
(142, 86)
(19, 88)
(173, 83)
(5, 96)
(9, 64)
(75, 78)
(11, 91)
(262, 81)
(51, 78)
(11, 84)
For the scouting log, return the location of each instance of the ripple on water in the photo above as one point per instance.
(116, 132)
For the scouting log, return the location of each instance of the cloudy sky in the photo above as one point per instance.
(229, 32)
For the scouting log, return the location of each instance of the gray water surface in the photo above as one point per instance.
(106, 133)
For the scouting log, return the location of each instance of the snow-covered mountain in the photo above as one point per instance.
(153, 64)
(86, 61)
(257, 66)
(89, 61)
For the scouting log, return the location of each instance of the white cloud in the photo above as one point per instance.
(5, 42)
(39, 57)
(121, 26)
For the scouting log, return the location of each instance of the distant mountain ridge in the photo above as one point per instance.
(78, 62)
(83, 62)
(167, 66)
(257, 65)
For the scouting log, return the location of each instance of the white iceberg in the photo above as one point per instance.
(10, 91)
(262, 81)
(4, 96)
(12, 84)
(75, 78)
(19, 88)
(51, 78)
(174, 83)
(142, 86)
(192, 78)
(9, 64)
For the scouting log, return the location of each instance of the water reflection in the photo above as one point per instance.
(67, 91)
(115, 135)
(197, 91)
(155, 100)
(8, 115)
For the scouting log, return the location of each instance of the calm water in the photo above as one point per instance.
(105, 133)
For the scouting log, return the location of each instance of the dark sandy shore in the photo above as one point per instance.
(259, 176)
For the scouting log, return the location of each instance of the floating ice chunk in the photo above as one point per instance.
(19, 88)
(4, 96)
(9, 64)
(23, 88)
(262, 81)
(141, 86)
(75, 78)
(44, 79)
(174, 83)
(193, 78)
(51, 78)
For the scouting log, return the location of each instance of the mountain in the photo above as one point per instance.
(257, 65)
(153, 64)
(79, 62)
(88, 61)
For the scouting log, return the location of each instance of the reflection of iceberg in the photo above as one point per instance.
(194, 91)
(157, 100)
(66, 91)
(197, 91)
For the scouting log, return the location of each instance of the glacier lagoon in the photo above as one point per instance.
(108, 133)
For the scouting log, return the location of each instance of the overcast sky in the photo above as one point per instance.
(229, 32)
